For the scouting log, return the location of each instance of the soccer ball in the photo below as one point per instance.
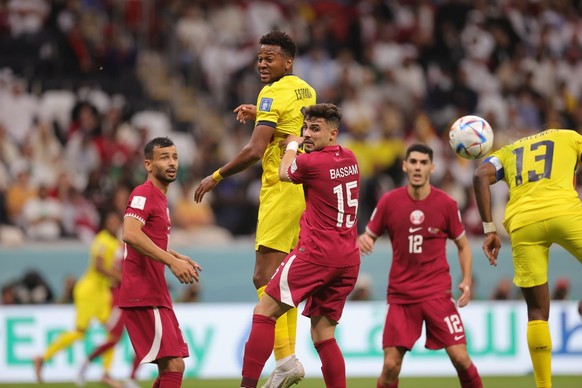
(471, 137)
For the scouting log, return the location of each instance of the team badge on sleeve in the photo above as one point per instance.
(138, 202)
(265, 105)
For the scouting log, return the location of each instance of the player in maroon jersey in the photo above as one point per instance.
(419, 218)
(323, 268)
(144, 296)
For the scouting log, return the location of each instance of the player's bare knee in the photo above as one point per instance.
(172, 364)
(262, 275)
(461, 361)
(392, 367)
(260, 280)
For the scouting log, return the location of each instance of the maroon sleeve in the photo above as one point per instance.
(139, 204)
(377, 224)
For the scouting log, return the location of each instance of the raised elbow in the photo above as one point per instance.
(283, 176)
(480, 176)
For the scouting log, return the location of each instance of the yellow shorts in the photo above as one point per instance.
(280, 209)
(530, 247)
(91, 304)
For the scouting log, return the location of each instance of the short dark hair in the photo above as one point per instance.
(158, 142)
(329, 112)
(418, 147)
(281, 39)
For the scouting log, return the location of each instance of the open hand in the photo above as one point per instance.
(204, 187)
(491, 247)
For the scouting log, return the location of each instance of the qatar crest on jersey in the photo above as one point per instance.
(417, 217)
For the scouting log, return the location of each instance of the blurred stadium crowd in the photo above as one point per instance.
(85, 83)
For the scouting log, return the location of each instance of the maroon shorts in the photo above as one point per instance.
(444, 327)
(154, 333)
(325, 288)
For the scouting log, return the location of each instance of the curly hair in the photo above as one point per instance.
(281, 39)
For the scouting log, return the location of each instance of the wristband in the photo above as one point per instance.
(489, 227)
(216, 175)
(293, 145)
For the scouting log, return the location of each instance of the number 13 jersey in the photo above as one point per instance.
(539, 170)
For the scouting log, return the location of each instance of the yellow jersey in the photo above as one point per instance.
(539, 170)
(106, 246)
(280, 106)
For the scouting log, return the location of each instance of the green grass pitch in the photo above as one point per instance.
(408, 382)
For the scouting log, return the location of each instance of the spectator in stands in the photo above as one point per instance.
(9, 152)
(186, 214)
(503, 290)
(19, 192)
(80, 217)
(363, 289)
(195, 222)
(443, 58)
(66, 296)
(561, 289)
(119, 198)
(26, 18)
(42, 216)
(82, 156)
(33, 289)
(18, 110)
(44, 152)
(99, 189)
(190, 294)
(9, 294)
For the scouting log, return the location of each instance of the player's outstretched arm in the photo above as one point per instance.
(206, 185)
(483, 177)
(248, 156)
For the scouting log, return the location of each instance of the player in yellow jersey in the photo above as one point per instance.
(543, 209)
(92, 293)
(277, 114)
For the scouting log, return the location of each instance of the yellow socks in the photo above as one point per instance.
(62, 342)
(285, 332)
(540, 351)
(292, 328)
(281, 347)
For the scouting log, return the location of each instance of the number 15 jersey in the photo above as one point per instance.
(539, 170)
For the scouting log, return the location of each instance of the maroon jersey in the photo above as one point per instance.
(331, 183)
(143, 282)
(418, 231)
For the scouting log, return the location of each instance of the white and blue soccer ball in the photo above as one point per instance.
(471, 137)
